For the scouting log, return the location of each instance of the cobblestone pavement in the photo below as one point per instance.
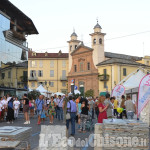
(34, 141)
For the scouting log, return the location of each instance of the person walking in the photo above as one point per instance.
(65, 101)
(51, 108)
(130, 107)
(16, 106)
(39, 106)
(84, 114)
(91, 106)
(60, 108)
(102, 109)
(32, 102)
(116, 103)
(10, 112)
(72, 109)
(122, 105)
(55, 100)
(26, 109)
(4, 108)
(110, 106)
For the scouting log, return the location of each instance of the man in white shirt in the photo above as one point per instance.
(16, 105)
(55, 100)
(60, 108)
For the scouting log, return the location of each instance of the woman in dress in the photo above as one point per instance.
(51, 108)
(32, 102)
(102, 109)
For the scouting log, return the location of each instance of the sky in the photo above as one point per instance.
(125, 22)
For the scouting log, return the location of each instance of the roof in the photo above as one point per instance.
(97, 26)
(48, 55)
(122, 56)
(120, 61)
(73, 34)
(14, 13)
(22, 64)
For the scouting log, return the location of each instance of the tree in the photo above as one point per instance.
(89, 93)
(34, 94)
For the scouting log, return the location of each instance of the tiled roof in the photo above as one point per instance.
(22, 64)
(122, 56)
(48, 55)
(119, 61)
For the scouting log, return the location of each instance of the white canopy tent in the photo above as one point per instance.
(59, 93)
(134, 80)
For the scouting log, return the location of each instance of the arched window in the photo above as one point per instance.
(100, 41)
(75, 46)
(70, 47)
(94, 41)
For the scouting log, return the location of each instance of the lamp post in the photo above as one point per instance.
(47, 86)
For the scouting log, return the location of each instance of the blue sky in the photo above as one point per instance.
(55, 20)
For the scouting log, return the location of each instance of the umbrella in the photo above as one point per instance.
(77, 92)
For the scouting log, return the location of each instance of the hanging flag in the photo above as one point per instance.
(144, 93)
(118, 91)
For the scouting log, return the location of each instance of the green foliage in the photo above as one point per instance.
(35, 94)
(89, 93)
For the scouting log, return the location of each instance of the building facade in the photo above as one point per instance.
(93, 68)
(14, 27)
(48, 69)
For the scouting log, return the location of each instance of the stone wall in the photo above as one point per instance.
(121, 134)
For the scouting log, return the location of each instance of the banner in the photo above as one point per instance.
(144, 93)
(118, 91)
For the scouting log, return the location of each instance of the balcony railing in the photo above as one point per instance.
(24, 79)
(63, 78)
(32, 78)
(103, 77)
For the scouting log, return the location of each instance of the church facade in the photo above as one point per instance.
(93, 68)
(83, 61)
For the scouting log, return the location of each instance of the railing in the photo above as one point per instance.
(103, 77)
(32, 78)
(63, 78)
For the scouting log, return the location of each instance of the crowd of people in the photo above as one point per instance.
(66, 109)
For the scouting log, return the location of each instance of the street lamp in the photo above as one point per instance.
(47, 86)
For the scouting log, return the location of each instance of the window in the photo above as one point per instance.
(33, 73)
(88, 66)
(33, 63)
(51, 84)
(9, 74)
(81, 66)
(94, 41)
(147, 63)
(75, 46)
(40, 73)
(75, 68)
(105, 84)
(63, 73)
(100, 41)
(64, 63)
(105, 73)
(63, 84)
(124, 72)
(32, 84)
(40, 63)
(52, 63)
(70, 47)
(51, 73)
(3, 75)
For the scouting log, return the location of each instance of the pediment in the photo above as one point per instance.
(81, 49)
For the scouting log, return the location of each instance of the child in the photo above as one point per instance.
(16, 105)
(43, 116)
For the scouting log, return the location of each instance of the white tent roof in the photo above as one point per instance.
(59, 93)
(41, 89)
(134, 80)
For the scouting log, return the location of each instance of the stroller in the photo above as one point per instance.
(89, 123)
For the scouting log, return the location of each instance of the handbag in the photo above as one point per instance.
(68, 116)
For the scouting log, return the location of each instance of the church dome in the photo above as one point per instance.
(73, 34)
(97, 26)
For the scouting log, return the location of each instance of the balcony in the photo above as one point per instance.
(15, 38)
(103, 77)
(24, 79)
(63, 78)
(32, 78)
